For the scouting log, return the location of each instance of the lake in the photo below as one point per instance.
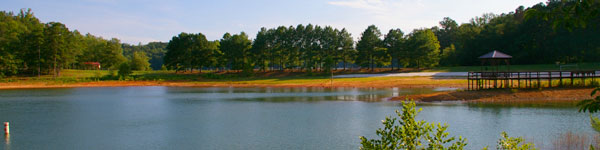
(251, 118)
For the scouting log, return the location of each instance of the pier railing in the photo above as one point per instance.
(531, 79)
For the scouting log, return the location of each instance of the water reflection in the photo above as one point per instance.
(7, 141)
(250, 118)
(306, 94)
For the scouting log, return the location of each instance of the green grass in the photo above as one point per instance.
(74, 76)
(538, 67)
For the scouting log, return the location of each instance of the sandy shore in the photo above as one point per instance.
(415, 82)
(547, 95)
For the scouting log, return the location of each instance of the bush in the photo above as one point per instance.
(511, 143)
(410, 134)
(124, 70)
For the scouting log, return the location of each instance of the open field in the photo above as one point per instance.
(91, 78)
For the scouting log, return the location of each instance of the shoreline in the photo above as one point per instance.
(552, 95)
(383, 82)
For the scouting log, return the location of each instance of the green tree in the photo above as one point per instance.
(10, 29)
(124, 70)
(111, 53)
(570, 13)
(236, 50)
(260, 46)
(446, 33)
(154, 50)
(348, 52)
(139, 61)
(368, 47)
(58, 51)
(189, 51)
(424, 48)
(208, 56)
(447, 37)
(108, 53)
(30, 42)
(394, 41)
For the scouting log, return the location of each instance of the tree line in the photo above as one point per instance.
(546, 33)
(303, 48)
(529, 39)
(30, 47)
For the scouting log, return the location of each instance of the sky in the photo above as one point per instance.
(143, 21)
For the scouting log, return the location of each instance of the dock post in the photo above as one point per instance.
(560, 82)
(469, 81)
(539, 80)
(549, 79)
(518, 80)
(572, 79)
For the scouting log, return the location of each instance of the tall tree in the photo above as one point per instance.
(56, 46)
(369, 46)
(236, 50)
(424, 48)
(179, 54)
(139, 61)
(260, 46)
(348, 52)
(189, 51)
(394, 42)
(9, 38)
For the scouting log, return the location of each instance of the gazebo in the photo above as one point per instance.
(495, 58)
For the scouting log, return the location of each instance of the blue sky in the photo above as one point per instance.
(135, 21)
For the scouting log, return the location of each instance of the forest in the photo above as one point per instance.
(546, 33)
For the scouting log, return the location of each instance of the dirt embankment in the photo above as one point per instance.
(556, 95)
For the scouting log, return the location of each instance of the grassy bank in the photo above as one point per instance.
(272, 78)
(91, 78)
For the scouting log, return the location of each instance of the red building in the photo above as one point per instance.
(92, 65)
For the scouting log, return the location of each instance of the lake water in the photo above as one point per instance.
(250, 118)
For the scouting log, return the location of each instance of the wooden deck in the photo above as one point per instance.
(532, 79)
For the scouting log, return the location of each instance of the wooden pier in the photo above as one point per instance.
(532, 79)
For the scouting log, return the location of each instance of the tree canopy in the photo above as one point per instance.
(546, 33)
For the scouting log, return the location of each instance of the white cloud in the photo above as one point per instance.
(373, 6)
(413, 14)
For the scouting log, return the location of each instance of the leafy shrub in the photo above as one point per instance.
(511, 143)
(124, 70)
(408, 133)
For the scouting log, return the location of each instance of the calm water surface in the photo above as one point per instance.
(250, 118)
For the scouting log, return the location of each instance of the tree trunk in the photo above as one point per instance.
(398, 62)
(371, 62)
(54, 74)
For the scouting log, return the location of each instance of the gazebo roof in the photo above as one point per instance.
(495, 55)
